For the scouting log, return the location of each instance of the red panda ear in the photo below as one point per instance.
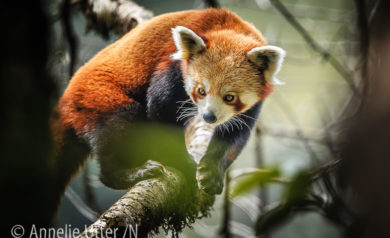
(269, 59)
(187, 43)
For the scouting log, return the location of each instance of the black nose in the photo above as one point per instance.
(209, 117)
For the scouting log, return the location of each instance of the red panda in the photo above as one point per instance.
(212, 60)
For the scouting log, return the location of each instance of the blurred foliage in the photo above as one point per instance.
(251, 180)
(294, 199)
(149, 141)
(298, 195)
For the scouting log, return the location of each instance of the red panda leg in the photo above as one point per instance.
(211, 169)
(112, 142)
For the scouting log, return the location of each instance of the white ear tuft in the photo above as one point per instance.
(269, 59)
(187, 43)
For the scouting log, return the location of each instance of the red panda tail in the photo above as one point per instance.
(70, 154)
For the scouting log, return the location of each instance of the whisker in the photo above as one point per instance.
(226, 127)
(185, 101)
(237, 123)
(182, 103)
(189, 119)
(185, 115)
(189, 109)
(247, 116)
(231, 126)
(243, 122)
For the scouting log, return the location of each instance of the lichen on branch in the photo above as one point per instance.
(169, 201)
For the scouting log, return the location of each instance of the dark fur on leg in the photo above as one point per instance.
(223, 150)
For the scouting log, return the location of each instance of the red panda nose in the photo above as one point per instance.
(209, 117)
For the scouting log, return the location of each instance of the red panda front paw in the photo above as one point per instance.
(150, 169)
(209, 179)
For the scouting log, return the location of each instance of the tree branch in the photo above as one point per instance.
(69, 34)
(225, 227)
(119, 16)
(169, 202)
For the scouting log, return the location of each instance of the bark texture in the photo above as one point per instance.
(119, 16)
(169, 202)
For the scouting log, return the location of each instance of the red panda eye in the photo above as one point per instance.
(228, 98)
(201, 92)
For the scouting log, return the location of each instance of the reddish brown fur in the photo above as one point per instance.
(194, 95)
(103, 84)
(266, 90)
(238, 106)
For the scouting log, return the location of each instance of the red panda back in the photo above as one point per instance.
(108, 81)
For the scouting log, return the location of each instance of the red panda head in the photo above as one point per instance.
(225, 73)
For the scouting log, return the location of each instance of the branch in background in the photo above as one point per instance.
(263, 193)
(299, 132)
(324, 169)
(83, 208)
(212, 3)
(364, 35)
(103, 16)
(118, 16)
(316, 47)
(293, 135)
(70, 36)
(225, 228)
(89, 193)
(168, 201)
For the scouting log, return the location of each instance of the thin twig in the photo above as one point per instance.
(70, 36)
(325, 169)
(364, 35)
(291, 116)
(291, 135)
(225, 228)
(326, 55)
(89, 193)
(263, 193)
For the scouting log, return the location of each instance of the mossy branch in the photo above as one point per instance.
(169, 201)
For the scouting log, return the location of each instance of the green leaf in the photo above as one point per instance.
(254, 179)
(295, 200)
(298, 188)
(272, 219)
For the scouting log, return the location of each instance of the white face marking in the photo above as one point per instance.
(214, 100)
(206, 85)
(189, 84)
(215, 104)
(249, 98)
